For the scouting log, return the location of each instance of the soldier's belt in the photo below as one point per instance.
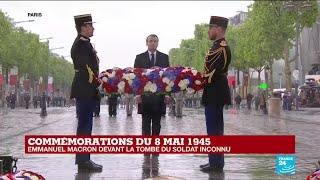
(222, 74)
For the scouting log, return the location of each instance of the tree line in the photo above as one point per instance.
(267, 35)
(23, 49)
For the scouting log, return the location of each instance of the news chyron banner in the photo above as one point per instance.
(69, 144)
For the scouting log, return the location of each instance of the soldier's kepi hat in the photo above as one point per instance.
(219, 21)
(81, 20)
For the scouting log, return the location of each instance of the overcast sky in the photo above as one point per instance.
(122, 26)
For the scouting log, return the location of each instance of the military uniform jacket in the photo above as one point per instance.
(216, 90)
(86, 67)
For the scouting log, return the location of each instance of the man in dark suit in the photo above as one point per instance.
(150, 105)
(216, 91)
(85, 84)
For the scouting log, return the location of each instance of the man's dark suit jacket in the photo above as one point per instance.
(152, 103)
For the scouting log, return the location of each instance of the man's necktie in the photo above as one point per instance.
(152, 59)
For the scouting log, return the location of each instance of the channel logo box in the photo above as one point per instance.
(286, 164)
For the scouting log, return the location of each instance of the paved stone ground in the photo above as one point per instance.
(15, 124)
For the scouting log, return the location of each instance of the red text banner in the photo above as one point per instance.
(118, 144)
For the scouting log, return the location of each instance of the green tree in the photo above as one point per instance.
(21, 48)
(5, 61)
(202, 44)
(277, 22)
(192, 52)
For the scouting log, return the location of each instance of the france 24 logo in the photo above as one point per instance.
(285, 164)
(34, 14)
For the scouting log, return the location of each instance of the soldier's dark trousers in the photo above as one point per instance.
(215, 127)
(147, 120)
(97, 107)
(86, 108)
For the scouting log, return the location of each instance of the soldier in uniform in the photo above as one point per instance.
(216, 91)
(85, 84)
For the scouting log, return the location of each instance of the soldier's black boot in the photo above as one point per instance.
(203, 165)
(210, 168)
(89, 166)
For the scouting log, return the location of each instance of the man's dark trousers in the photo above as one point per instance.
(215, 127)
(86, 107)
(151, 116)
(147, 120)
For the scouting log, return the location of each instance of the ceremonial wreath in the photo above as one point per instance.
(156, 80)
(316, 174)
(22, 175)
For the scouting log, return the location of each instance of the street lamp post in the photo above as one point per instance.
(55, 48)
(266, 73)
(17, 22)
(45, 38)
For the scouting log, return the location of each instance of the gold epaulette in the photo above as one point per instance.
(84, 39)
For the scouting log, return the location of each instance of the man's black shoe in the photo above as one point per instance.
(203, 165)
(209, 168)
(90, 166)
(95, 163)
